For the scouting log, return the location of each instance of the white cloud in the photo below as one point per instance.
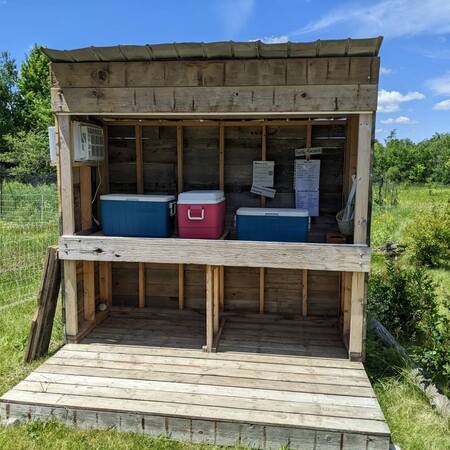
(401, 120)
(379, 130)
(235, 14)
(385, 70)
(442, 106)
(440, 85)
(389, 101)
(275, 39)
(391, 18)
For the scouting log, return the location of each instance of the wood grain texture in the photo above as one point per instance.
(357, 317)
(277, 72)
(333, 257)
(247, 99)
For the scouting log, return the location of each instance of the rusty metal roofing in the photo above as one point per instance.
(219, 50)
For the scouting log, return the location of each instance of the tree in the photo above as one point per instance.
(8, 96)
(34, 91)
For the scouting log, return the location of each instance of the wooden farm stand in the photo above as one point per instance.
(224, 341)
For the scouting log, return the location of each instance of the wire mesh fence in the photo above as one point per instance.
(28, 225)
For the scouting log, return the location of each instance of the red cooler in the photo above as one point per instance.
(201, 214)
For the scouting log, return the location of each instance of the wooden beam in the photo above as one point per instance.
(180, 158)
(357, 317)
(180, 186)
(222, 288)
(89, 290)
(141, 285)
(363, 178)
(298, 255)
(308, 144)
(202, 100)
(221, 158)
(262, 273)
(346, 306)
(105, 283)
(304, 293)
(180, 286)
(69, 289)
(209, 308)
(140, 190)
(214, 122)
(242, 72)
(105, 268)
(216, 300)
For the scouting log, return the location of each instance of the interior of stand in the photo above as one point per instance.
(165, 157)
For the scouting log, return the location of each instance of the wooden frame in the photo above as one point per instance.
(332, 257)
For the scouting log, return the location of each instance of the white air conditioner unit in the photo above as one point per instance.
(88, 142)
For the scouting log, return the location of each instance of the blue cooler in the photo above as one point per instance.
(272, 224)
(137, 215)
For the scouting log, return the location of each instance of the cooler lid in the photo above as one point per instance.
(138, 197)
(281, 212)
(200, 197)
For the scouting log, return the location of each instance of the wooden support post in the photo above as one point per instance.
(180, 183)
(262, 276)
(69, 291)
(180, 286)
(222, 288)
(263, 155)
(304, 293)
(363, 178)
(221, 157)
(216, 300)
(357, 316)
(308, 144)
(105, 285)
(105, 268)
(140, 190)
(209, 308)
(346, 305)
(86, 223)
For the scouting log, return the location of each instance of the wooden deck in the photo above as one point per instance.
(272, 383)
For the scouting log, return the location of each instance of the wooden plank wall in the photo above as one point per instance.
(283, 292)
(244, 86)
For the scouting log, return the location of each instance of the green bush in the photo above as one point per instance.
(428, 237)
(403, 298)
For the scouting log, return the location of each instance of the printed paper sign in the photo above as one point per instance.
(308, 200)
(308, 151)
(264, 191)
(263, 173)
(307, 175)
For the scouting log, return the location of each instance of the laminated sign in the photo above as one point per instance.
(263, 178)
(307, 181)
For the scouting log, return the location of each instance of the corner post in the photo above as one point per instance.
(358, 295)
(69, 288)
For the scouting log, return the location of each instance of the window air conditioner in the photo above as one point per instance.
(88, 142)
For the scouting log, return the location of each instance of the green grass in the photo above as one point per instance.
(414, 424)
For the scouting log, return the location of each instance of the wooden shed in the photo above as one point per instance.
(223, 341)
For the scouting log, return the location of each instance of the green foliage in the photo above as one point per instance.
(404, 300)
(27, 156)
(8, 95)
(428, 237)
(34, 91)
(401, 160)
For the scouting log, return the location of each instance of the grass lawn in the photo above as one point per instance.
(414, 425)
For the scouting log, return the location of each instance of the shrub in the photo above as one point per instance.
(404, 299)
(428, 237)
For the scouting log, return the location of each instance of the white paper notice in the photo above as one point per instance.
(307, 174)
(263, 191)
(263, 173)
(308, 200)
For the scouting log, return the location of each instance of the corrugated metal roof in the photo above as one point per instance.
(219, 50)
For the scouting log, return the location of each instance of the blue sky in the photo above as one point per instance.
(415, 81)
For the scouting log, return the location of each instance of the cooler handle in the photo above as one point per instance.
(172, 208)
(200, 217)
